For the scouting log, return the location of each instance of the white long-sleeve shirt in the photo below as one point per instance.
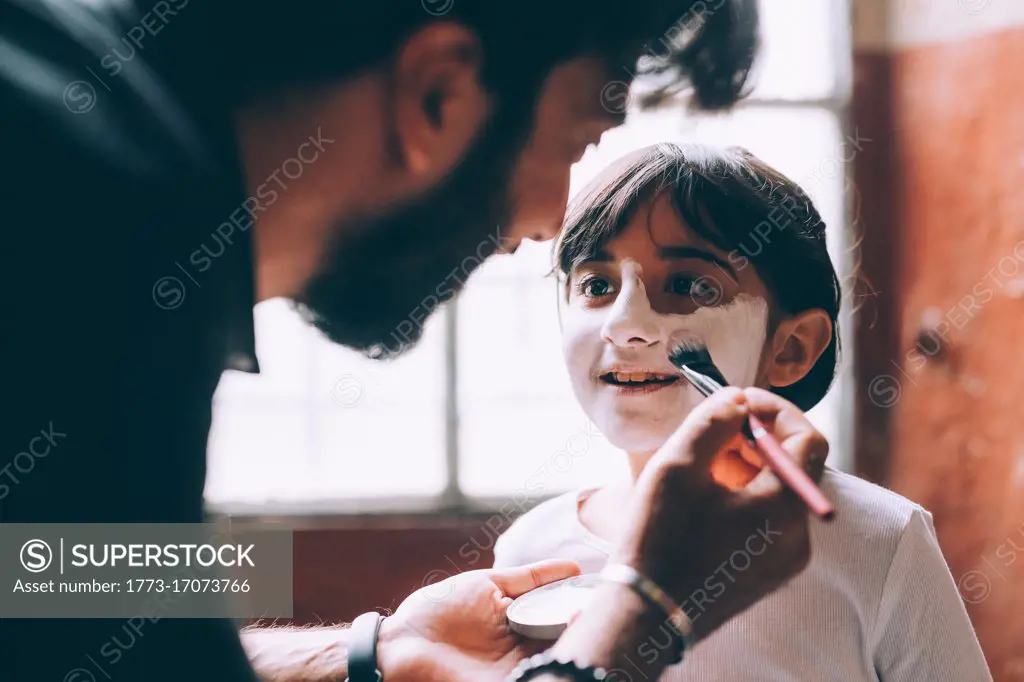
(877, 603)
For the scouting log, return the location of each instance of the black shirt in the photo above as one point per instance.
(119, 163)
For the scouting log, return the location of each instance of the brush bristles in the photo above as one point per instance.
(678, 344)
(690, 353)
(695, 356)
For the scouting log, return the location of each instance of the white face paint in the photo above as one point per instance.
(629, 336)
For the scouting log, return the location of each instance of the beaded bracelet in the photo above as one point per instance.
(547, 662)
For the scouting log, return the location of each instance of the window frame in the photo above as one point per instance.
(453, 502)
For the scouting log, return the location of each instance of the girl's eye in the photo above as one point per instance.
(682, 285)
(594, 286)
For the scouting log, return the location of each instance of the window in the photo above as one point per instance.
(481, 411)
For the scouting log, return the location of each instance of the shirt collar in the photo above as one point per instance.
(200, 80)
(238, 274)
(240, 331)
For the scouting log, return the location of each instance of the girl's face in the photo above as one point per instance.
(655, 281)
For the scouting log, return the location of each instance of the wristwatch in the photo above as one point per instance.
(362, 648)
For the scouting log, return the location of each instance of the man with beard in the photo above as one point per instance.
(169, 164)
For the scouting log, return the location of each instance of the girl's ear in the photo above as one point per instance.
(797, 344)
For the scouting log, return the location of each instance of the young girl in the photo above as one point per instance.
(715, 246)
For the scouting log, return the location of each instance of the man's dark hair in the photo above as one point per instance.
(275, 49)
(741, 205)
(277, 46)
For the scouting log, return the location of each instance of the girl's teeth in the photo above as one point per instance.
(634, 377)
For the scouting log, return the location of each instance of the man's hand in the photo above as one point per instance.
(718, 551)
(455, 630)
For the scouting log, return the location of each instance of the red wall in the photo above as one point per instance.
(342, 572)
(942, 212)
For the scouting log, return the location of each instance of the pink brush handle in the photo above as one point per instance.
(787, 470)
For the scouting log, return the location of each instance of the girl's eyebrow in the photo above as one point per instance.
(671, 253)
(681, 252)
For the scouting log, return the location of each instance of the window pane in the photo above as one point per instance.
(798, 55)
(379, 425)
(323, 423)
(343, 377)
(380, 448)
(258, 454)
(537, 447)
(508, 331)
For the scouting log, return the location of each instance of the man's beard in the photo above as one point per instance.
(382, 277)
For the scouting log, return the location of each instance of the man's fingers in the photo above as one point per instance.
(791, 427)
(732, 469)
(783, 417)
(521, 579)
(706, 430)
(529, 647)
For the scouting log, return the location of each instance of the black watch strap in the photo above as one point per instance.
(362, 648)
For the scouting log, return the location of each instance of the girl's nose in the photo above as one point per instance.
(631, 323)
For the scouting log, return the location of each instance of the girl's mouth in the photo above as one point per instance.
(628, 383)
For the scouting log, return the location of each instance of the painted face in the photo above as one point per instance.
(655, 282)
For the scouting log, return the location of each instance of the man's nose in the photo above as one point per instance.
(553, 225)
(538, 232)
(551, 230)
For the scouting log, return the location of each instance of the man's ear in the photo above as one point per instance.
(797, 344)
(438, 102)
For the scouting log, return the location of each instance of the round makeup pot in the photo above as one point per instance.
(545, 612)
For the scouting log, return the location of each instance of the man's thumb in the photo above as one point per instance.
(707, 429)
(516, 581)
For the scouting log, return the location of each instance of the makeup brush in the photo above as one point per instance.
(696, 365)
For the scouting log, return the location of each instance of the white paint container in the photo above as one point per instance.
(545, 612)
